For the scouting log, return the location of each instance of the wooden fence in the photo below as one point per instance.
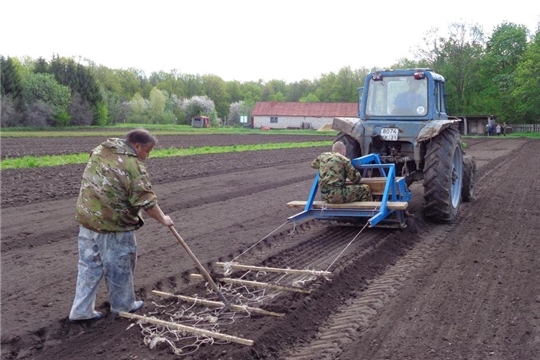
(522, 128)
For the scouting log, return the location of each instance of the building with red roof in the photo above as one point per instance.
(299, 115)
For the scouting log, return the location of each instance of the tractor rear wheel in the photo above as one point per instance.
(469, 178)
(443, 176)
(352, 146)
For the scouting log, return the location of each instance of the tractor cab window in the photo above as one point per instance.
(400, 95)
(440, 101)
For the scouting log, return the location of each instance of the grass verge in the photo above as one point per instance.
(81, 158)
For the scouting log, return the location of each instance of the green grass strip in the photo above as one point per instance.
(158, 130)
(81, 158)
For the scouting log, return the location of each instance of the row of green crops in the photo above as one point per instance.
(122, 129)
(57, 160)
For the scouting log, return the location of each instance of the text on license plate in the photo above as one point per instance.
(389, 133)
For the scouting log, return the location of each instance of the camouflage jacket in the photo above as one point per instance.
(115, 187)
(334, 169)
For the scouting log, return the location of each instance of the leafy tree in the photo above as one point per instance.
(157, 105)
(237, 109)
(11, 82)
(504, 51)
(168, 116)
(101, 114)
(506, 47)
(24, 65)
(64, 71)
(252, 92)
(79, 79)
(249, 102)
(233, 89)
(526, 93)
(87, 85)
(40, 114)
(9, 115)
(45, 89)
(326, 90)
(171, 82)
(144, 87)
(108, 80)
(62, 118)
(115, 110)
(199, 105)
(177, 110)
(128, 82)
(279, 97)
(80, 111)
(193, 85)
(458, 59)
(41, 66)
(405, 63)
(214, 88)
(273, 87)
(298, 90)
(309, 98)
(348, 81)
(139, 109)
(494, 77)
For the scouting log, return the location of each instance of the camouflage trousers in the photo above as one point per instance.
(112, 256)
(349, 193)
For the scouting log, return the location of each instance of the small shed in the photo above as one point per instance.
(476, 124)
(200, 121)
(298, 115)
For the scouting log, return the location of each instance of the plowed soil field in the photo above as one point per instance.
(466, 290)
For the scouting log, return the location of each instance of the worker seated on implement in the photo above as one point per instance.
(334, 170)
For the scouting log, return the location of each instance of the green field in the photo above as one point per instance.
(120, 130)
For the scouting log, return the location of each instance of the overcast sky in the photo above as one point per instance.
(243, 40)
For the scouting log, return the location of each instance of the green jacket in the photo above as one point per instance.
(334, 169)
(115, 187)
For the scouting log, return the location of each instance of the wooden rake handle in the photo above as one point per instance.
(199, 265)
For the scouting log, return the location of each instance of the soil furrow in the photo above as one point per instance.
(428, 290)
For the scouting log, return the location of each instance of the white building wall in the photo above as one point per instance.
(284, 122)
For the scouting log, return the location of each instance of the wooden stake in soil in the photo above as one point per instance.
(255, 284)
(218, 304)
(269, 269)
(187, 329)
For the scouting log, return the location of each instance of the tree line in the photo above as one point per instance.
(496, 75)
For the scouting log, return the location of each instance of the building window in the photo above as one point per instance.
(273, 119)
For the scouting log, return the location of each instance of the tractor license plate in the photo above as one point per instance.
(390, 134)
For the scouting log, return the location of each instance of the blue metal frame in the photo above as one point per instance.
(393, 191)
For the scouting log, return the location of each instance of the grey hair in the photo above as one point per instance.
(141, 136)
(338, 147)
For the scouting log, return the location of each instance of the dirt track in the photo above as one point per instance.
(468, 290)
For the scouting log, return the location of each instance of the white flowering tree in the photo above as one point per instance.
(199, 105)
(237, 109)
(240, 108)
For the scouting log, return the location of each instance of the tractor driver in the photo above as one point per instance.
(410, 102)
(334, 169)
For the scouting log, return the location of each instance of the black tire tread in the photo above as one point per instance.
(469, 178)
(352, 146)
(437, 176)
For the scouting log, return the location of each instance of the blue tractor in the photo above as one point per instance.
(402, 117)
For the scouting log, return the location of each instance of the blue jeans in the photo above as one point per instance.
(113, 256)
